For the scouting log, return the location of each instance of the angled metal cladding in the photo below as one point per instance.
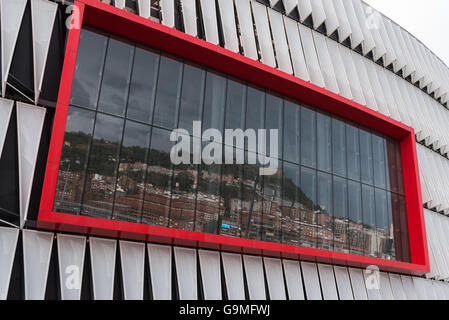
(341, 45)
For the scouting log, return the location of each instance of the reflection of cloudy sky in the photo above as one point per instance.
(80, 120)
(136, 135)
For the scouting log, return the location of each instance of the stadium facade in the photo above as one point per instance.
(93, 207)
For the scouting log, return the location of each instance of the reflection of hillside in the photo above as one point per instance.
(153, 192)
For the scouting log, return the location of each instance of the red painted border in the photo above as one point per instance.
(147, 32)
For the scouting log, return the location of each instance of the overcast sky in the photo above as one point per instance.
(428, 20)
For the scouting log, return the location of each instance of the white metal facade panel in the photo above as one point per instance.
(385, 287)
(263, 33)
(6, 107)
(210, 20)
(340, 73)
(233, 273)
(144, 7)
(132, 256)
(186, 272)
(327, 68)
(311, 57)
(353, 78)
(359, 64)
(43, 15)
(318, 14)
(189, 17)
(358, 284)
(120, 4)
(409, 287)
(254, 277)
(280, 41)
(30, 121)
(327, 279)
(8, 245)
(420, 288)
(11, 15)
(246, 28)
(332, 23)
(36, 261)
(311, 280)
(396, 287)
(160, 258)
(210, 274)
(168, 12)
(103, 255)
(344, 28)
(293, 279)
(343, 283)
(296, 49)
(227, 15)
(275, 278)
(305, 9)
(368, 43)
(71, 252)
(356, 31)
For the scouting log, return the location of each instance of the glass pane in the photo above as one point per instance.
(341, 215)
(89, 69)
(252, 204)
(383, 237)
(392, 170)
(214, 102)
(308, 137)
(116, 78)
(143, 86)
(324, 142)
(291, 190)
(208, 202)
(379, 146)
(231, 194)
(131, 173)
(391, 228)
(366, 157)
(292, 120)
(102, 169)
(404, 230)
(272, 226)
(308, 207)
(273, 120)
(369, 220)
(235, 105)
(74, 156)
(185, 183)
(255, 109)
(338, 147)
(168, 93)
(353, 152)
(357, 237)
(158, 180)
(324, 206)
(192, 96)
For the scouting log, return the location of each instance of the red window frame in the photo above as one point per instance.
(116, 21)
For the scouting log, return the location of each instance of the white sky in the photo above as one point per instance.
(427, 20)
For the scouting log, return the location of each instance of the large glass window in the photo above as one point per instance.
(337, 186)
